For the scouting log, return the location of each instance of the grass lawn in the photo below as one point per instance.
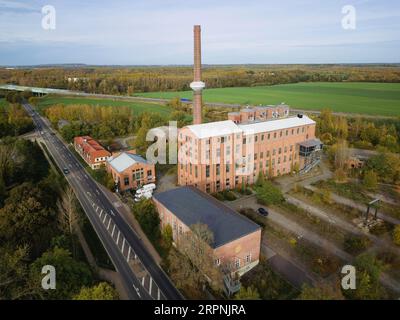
(353, 97)
(136, 106)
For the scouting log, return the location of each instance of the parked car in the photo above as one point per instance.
(263, 212)
(65, 170)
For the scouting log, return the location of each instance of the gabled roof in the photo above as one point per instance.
(192, 206)
(125, 160)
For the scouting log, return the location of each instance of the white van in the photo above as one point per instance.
(150, 186)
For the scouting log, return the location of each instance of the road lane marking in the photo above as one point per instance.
(109, 222)
(151, 285)
(123, 245)
(112, 233)
(119, 233)
(158, 294)
(105, 217)
(137, 291)
(129, 254)
(143, 282)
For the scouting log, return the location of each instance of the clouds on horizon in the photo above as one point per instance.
(234, 31)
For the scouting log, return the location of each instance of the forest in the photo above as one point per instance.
(131, 80)
(39, 215)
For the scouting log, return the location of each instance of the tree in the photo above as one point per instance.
(26, 220)
(368, 287)
(396, 235)
(68, 216)
(2, 191)
(370, 180)
(14, 277)
(196, 245)
(167, 236)
(71, 274)
(249, 293)
(102, 291)
(147, 216)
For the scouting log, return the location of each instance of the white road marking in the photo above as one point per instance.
(151, 285)
(119, 233)
(112, 233)
(158, 294)
(143, 282)
(123, 245)
(109, 222)
(105, 216)
(129, 254)
(112, 213)
(137, 291)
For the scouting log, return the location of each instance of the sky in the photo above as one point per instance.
(160, 32)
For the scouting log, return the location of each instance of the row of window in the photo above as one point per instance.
(237, 262)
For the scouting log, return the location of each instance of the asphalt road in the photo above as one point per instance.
(141, 275)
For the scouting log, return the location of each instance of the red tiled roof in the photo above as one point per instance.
(91, 147)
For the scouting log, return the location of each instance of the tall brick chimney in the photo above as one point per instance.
(197, 85)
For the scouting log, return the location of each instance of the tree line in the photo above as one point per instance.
(131, 80)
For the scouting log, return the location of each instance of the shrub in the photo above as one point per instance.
(268, 194)
(354, 244)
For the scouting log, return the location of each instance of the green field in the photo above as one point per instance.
(352, 97)
(136, 106)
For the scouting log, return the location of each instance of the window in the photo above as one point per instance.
(237, 263)
(274, 135)
(149, 173)
(218, 169)
(237, 148)
(280, 150)
(268, 154)
(195, 171)
(244, 140)
(208, 189)
(207, 171)
(279, 160)
(228, 150)
(255, 156)
(222, 139)
(280, 134)
(126, 181)
(180, 230)
(274, 152)
(227, 183)
(218, 152)
(261, 155)
(285, 149)
(218, 185)
(269, 136)
(262, 137)
(227, 168)
(248, 258)
(287, 132)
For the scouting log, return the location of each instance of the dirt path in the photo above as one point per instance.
(251, 202)
(355, 205)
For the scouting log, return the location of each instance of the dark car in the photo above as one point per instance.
(66, 171)
(263, 212)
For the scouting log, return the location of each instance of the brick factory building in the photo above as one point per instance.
(91, 151)
(224, 155)
(228, 154)
(130, 171)
(237, 240)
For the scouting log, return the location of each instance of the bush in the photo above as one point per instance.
(268, 194)
(396, 235)
(354, 244)
(254, 216)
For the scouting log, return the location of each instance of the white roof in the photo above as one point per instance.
(214, 129)
(221, 128)
(125, 160)
(273, 125)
